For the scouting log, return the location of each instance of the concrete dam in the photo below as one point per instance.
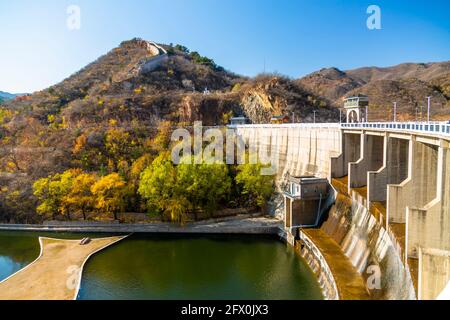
(389, 212)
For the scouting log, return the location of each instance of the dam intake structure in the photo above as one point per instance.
(391, 184)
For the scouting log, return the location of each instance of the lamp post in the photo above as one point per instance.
(395, 111)
(429, 108)
(315, 116)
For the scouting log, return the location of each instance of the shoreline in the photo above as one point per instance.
(247, 225)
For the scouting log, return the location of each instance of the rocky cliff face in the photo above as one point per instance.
(266, 96)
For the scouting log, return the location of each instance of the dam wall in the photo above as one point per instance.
(381, 166)
(298, 150)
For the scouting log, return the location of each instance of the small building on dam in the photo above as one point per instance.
(304, 200)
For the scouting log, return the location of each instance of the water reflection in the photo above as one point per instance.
(169, 267)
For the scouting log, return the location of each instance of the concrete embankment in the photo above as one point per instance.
(259, 225)
(56, 273)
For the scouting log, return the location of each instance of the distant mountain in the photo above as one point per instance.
(6, 96)
(330, 83)
(420, 71)
(407, 84)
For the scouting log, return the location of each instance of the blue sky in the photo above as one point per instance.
(292, 37)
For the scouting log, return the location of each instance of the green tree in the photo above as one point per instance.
(158, 183)
(110, 193)
(204, 185)
(257, 186)
(181, 48)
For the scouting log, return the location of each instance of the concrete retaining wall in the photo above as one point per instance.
(414, 185)
(428, 232)
(228, 226)
(435, 266)
(319, 266)
(394, 170)
(351, 152)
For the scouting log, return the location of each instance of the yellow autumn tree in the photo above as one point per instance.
(161, 141)
(138, 166)
(80, 197)
(110, 192)
(79, 145)
(51, 192)
(120, 146)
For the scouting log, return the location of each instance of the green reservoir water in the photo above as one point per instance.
(180, 267)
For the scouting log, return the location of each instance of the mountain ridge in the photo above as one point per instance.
(408, 84)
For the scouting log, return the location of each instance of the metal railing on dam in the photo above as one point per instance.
(430, 128)
(287, 125)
